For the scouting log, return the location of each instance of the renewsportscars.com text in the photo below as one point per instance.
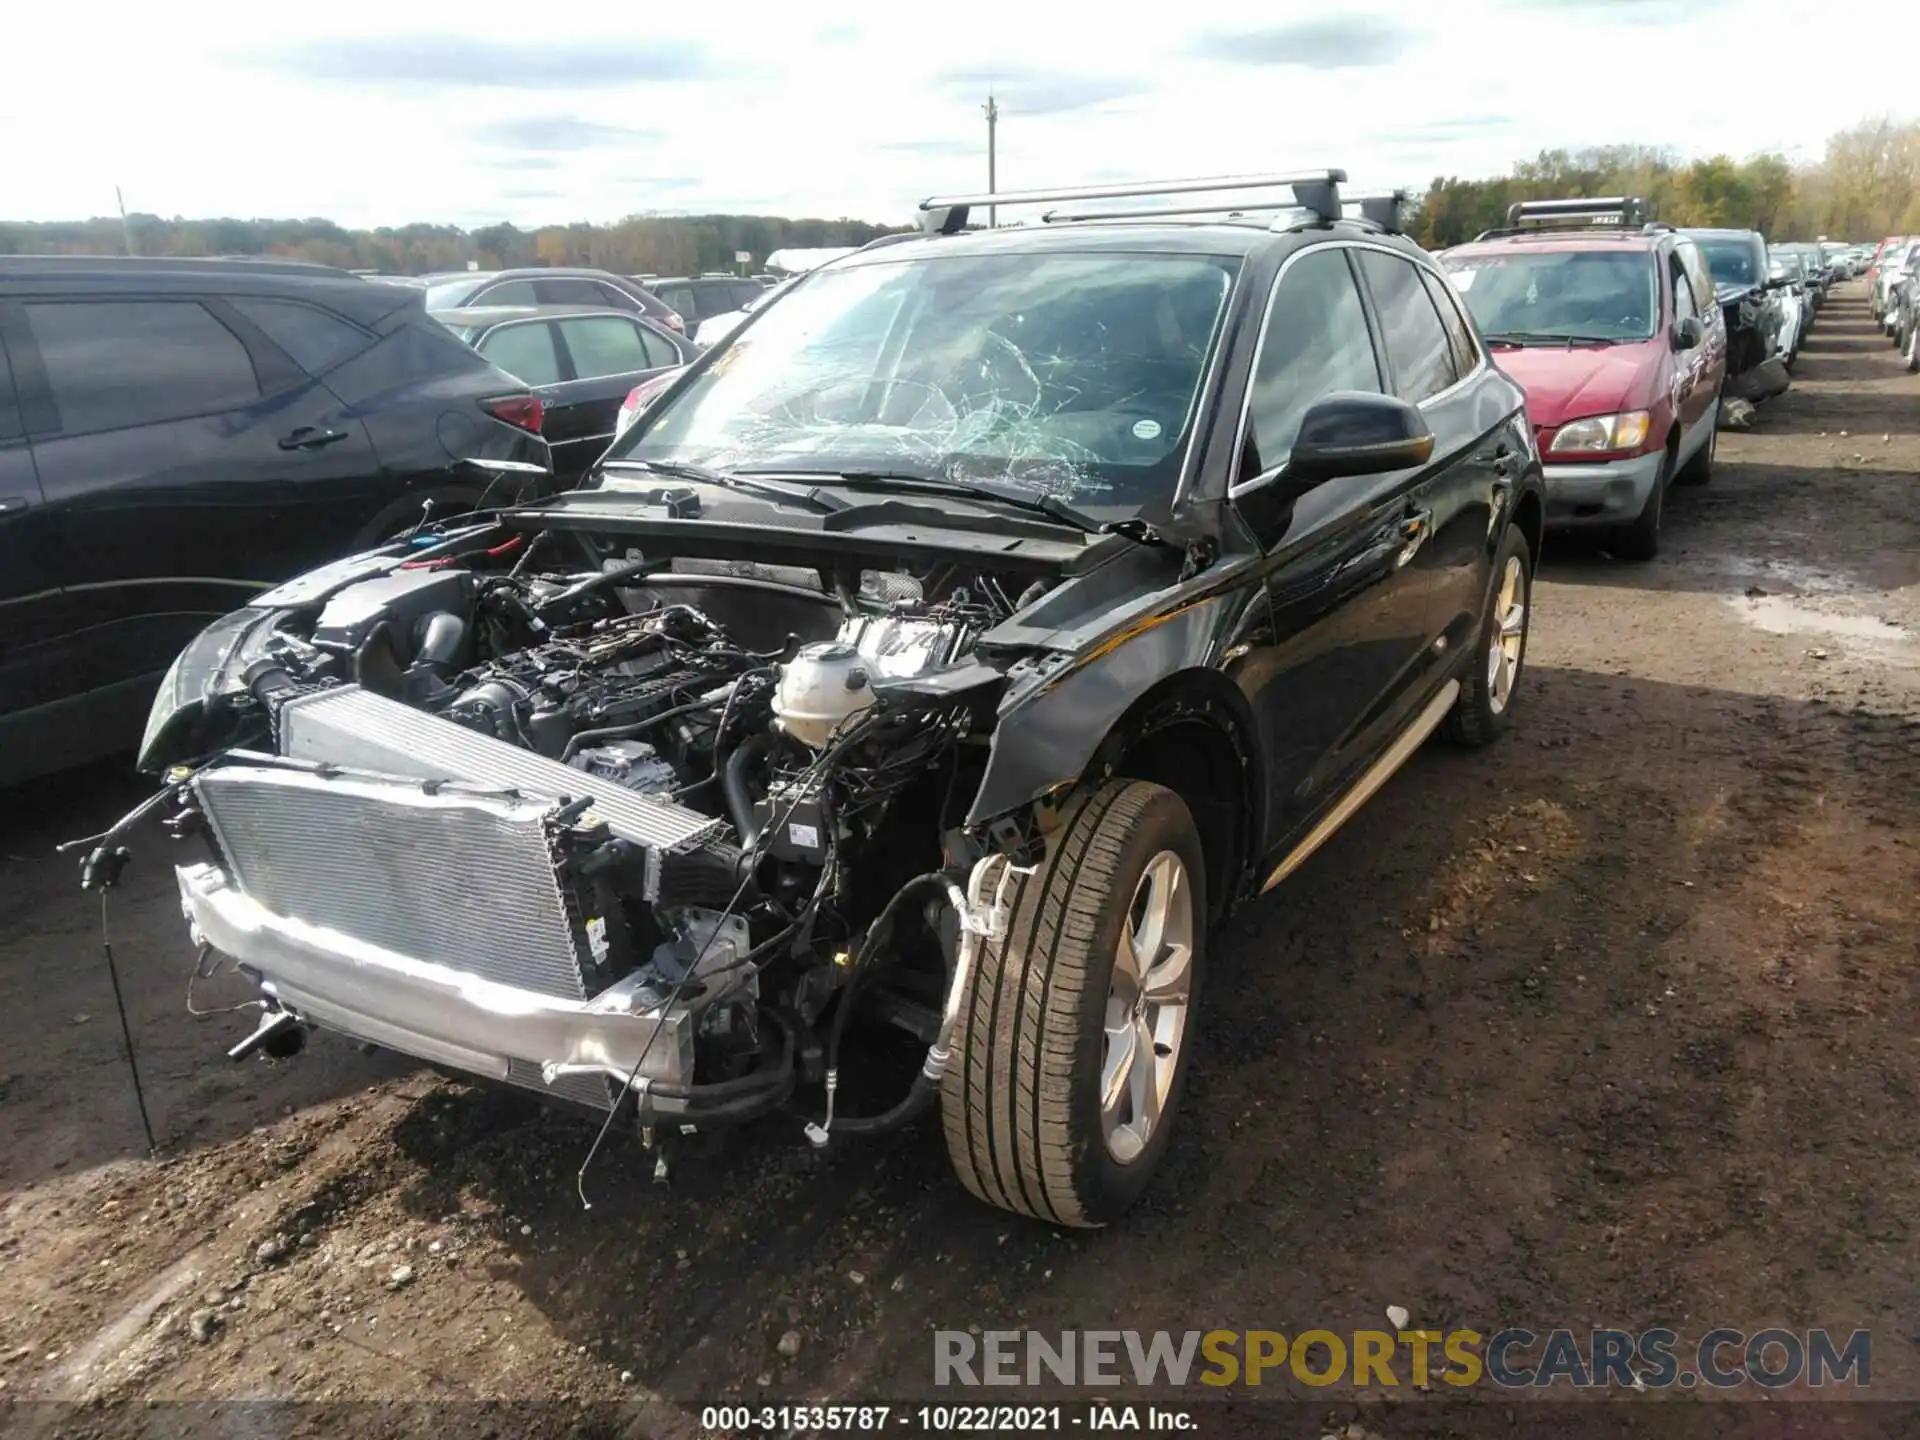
(1513, 1358)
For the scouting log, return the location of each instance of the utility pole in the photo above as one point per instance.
(126, 230)
(993, 120)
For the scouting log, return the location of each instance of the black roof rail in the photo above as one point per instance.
(1316, 190)
(1619, 213)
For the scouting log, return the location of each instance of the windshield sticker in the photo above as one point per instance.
(1146, 429)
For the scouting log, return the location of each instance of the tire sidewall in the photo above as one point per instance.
(1108, 1187)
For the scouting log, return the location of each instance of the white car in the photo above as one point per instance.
(715, 328)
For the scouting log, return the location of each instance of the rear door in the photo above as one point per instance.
(187, 462)
(1437, 513)
(1479, 452)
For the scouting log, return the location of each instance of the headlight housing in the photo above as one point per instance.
(1603, 434)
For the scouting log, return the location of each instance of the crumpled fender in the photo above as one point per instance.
(1061, 707)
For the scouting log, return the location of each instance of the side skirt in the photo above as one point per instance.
(1363, 789)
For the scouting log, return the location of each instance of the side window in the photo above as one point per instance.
(1466, 349)
(507, 292)
(1316, 341)
(1416, 341)
(524, 352)
(616, 298)
(660, 350)
(604, 345)
(680, 297)
(744, 294)
(566, 291)
(1683, 300)
(313, 339)
(138, 362)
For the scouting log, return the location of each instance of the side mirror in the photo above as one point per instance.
(1351, 432)
(1688, 332)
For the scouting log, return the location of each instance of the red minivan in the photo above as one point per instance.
(1611, 327)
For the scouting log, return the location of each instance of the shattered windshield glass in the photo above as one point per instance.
(1070, 375)
(1548, 294)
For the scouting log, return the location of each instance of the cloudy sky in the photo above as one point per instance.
(381, 114)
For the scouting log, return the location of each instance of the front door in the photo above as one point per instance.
(1344, 603)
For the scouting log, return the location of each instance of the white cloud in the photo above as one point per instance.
(381, 114)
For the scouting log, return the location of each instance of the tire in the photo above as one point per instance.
(1641, 539)
(1699, 470)
(1481, 714)
(1912, 356)
(1021, 1098)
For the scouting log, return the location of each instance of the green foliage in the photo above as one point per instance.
(1866, 186)
(638, 245)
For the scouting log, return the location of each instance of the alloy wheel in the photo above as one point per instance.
(1146, 1013)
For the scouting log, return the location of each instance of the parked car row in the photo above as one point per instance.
(1091, 576)
(1900, 314)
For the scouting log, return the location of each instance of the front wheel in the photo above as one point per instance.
(1076, 1023)
(1912, 355)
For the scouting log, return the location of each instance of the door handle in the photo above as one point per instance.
(310, 437)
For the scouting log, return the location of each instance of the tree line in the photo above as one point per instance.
(637, 245)
(1866, 185)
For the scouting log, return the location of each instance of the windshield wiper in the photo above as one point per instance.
(685, 470)
(1525, 338)
(1050, 506)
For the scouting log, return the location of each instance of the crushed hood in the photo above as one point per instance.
(1565, 385)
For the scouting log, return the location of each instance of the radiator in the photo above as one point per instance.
(464, 880)
(358, 730)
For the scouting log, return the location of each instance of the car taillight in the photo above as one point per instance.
(639, 398)
(523, 411)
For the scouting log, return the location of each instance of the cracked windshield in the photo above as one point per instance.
(1072, 376)
(1560, 298)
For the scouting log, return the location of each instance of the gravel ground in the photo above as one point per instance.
(1613, 1025)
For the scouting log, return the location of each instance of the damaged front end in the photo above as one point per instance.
(1756, 369)
(564, 828)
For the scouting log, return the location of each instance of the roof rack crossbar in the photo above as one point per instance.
(1316, 189)
(1179, 212)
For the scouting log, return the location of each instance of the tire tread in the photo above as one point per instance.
(1007, 1098)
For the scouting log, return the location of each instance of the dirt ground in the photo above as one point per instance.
(1613, 1025)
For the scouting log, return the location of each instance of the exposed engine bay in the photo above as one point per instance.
(647, 832)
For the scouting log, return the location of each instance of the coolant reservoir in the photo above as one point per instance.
(821, 686)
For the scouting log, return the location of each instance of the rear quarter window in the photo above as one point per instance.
(314, 340)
